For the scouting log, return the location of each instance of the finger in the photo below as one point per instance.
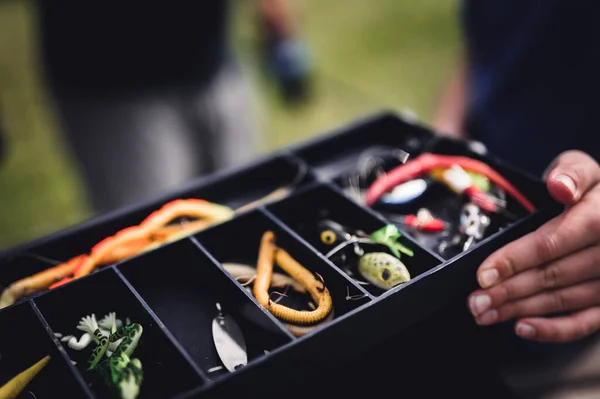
(577, 228)
(571, 175)
(576, 268)
(560, 329)
(566, 299)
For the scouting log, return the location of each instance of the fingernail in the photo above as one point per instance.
(479, 304)
(549, 168)
(489, 277)
(568, 182)
(488, 317)
(525, 331)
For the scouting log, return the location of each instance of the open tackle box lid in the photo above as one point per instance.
(173, 291)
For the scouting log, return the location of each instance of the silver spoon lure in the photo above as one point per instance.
(229, 341)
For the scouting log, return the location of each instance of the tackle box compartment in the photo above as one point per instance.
(173, 290)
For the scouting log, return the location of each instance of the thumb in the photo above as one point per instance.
(571, 175)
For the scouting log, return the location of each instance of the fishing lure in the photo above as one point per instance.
(18, 383)
(127, 242)
(473, 225)
(383, 270)
(422, 221)
(179, 208)
(388, 235)
(246, 275)
(405, 192)
(104, 325)
(298, 322)
(426, 162)
(479, 180)
(121, 373)
(331, 233)
(378, 268)
(229, 341)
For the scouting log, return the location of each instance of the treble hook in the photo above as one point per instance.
(353, 297)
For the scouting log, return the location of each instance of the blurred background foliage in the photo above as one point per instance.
(368, 56)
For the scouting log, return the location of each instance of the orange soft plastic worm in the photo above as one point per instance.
(129, 249)
(268, 254)
(179, 208)
(151, 233)
(43, 279)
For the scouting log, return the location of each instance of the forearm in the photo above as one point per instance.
(450, 113)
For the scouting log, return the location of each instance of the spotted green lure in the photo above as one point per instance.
(380, 269)
(383, 270)
(122, 374)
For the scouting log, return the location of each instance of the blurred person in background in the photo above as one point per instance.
(149, 95)
(527, 88)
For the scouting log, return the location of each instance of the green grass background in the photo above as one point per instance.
(369, 55)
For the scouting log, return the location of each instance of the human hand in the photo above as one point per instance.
(555, 269)
(290, 61)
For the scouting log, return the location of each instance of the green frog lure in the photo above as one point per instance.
(112, 355)
(380, 269)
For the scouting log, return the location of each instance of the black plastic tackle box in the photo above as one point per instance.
(173, 290)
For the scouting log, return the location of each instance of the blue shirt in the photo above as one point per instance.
(533, 77)
(534, 92)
